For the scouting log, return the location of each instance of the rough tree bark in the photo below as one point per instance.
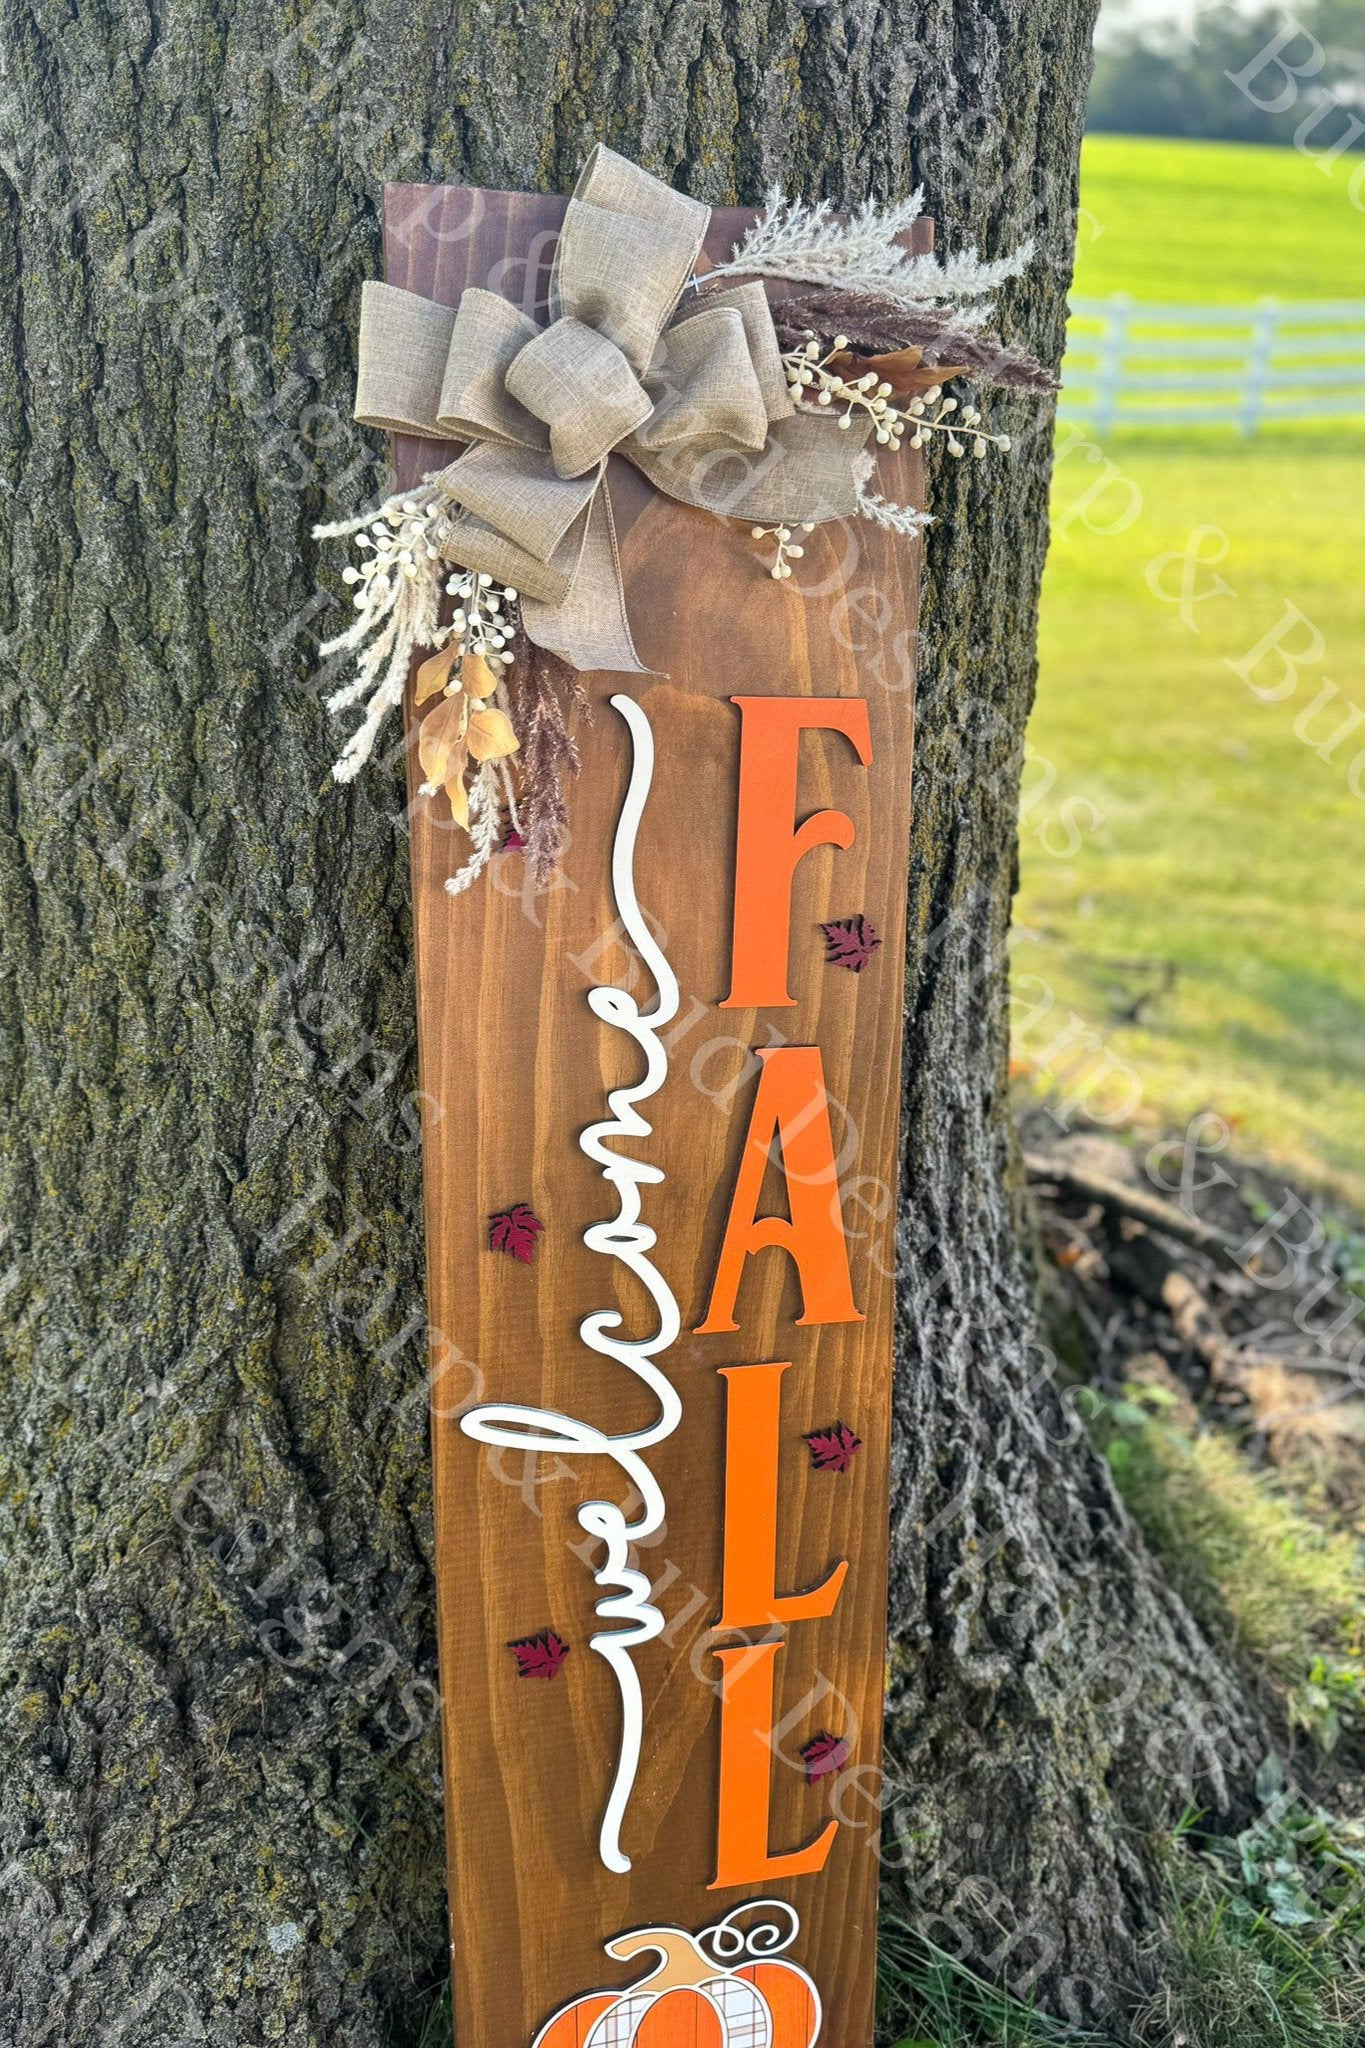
(220, 1809)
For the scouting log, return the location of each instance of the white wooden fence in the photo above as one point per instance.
(1130, 363)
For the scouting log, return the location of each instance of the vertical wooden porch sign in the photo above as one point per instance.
(662, 1790)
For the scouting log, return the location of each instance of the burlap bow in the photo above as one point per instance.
(696, 398)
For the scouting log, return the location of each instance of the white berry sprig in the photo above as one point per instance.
(810, 378)
(967, 424)
(400, 588)
(401, 538)
(397, 600)
(788, 550)
(485, 618)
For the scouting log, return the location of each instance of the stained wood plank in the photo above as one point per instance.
(513, 1067)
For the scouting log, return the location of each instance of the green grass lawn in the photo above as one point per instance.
(1171, 815)
(1213, 222)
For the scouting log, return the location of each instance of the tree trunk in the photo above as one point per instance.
(220, 1810)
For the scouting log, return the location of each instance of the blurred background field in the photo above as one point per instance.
(1193, 854)
(1167, 218)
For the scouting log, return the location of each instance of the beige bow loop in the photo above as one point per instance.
(694, 396)
(703, 388)
(628, 245)
(476, 401)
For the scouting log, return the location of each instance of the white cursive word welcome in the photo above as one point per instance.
(628, 1238)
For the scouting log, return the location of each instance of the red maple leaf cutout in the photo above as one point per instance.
(823, 1755)
(515, 1231)
(539, 1656)
(850, 942)
(512, 841)
(833, 1449)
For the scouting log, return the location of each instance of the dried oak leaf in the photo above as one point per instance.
(904, 369)
(539, 1656)
(515, 1231)
(833, 1449)
(823, 1755)
(850, 942)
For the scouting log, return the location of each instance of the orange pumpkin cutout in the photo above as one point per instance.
(688, 1999)
(790, 1998)
(571, 2028)
(681, 2019)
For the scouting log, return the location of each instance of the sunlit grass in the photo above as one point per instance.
(1215, 221)
(1258, 1573)
(1174, 815)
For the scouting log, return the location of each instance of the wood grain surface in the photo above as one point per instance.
(513, 1067)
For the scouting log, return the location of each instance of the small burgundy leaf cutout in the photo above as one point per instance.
(515, 1231)
(823, 1755)
(850, 942)
(833, 1449)
(539, 1656)
(512, 841)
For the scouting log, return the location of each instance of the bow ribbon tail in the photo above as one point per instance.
(589, 627)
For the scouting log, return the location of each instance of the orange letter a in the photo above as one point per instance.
(792, 1106)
